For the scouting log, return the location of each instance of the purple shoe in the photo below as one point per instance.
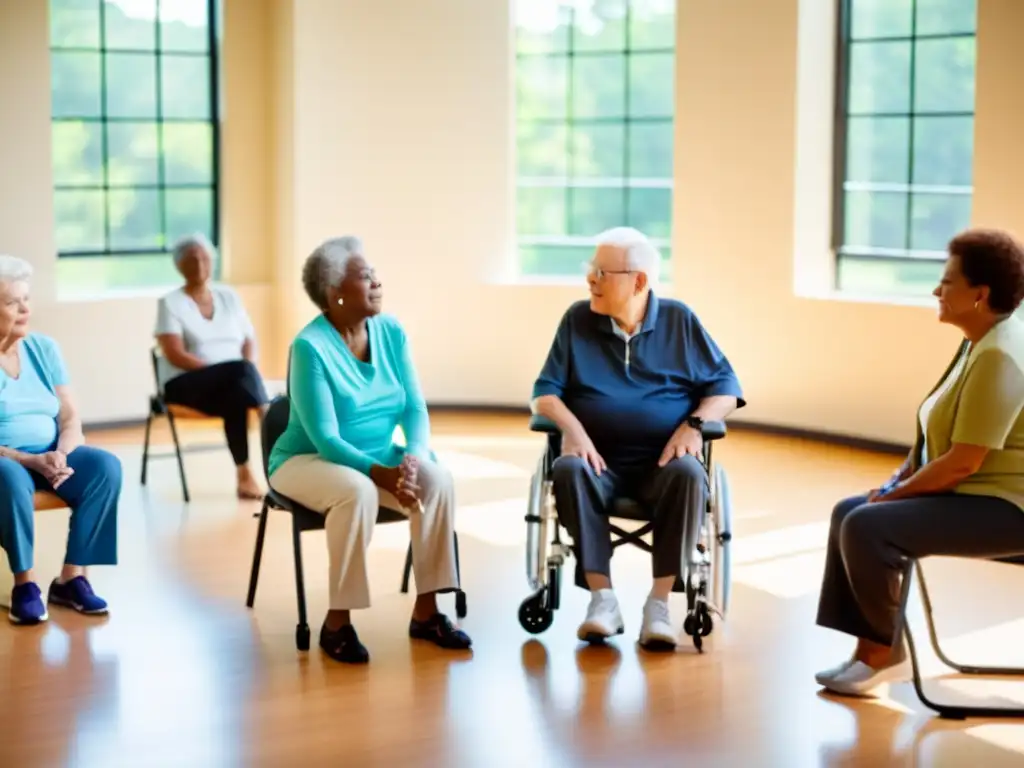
(27, 605)
(77, 594)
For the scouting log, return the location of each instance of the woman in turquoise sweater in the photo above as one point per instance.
(352, 382)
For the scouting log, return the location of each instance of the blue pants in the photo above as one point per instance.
(92, 492)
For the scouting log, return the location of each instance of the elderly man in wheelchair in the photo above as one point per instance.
(632, 394)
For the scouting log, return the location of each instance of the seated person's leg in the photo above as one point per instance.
(349, 500)
(582, 498)
(861, 597)
(228, 390)
(678, 494)
(17, 528)
(433, 555)
(92, 492)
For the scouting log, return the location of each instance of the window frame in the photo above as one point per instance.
(570, 182)
(840, 145)
(103, 119)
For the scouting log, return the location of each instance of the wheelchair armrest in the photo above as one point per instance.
(540, 423)
(713, 430)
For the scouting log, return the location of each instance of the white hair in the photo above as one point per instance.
(325, 267)
(187, 243)
(13, 269)
(641, 253)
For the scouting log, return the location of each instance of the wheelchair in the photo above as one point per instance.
(705, 574)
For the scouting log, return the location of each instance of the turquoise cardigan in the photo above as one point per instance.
(345, 410)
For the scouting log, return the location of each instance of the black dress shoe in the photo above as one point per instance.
(343, 645)
(439, 630)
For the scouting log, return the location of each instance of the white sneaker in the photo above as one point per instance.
(860, 680)
(657, 632)
(604, 618)
(826, 676)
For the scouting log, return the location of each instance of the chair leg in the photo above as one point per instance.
(946, 711)
(302, 628)
(145, 446)
(257, 555)
(460, 596)
(407, 570)
(177, 452)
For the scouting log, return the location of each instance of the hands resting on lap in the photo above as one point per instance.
(401, 482)
(685, 440)
(52, 465)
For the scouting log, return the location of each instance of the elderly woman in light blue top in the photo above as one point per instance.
(352, 382)
(42, 447)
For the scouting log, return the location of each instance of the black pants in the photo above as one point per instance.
(228, 390)
(868, 544)
(676, 494)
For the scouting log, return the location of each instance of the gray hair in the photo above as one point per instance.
(13, 269)
(325, 267)
(641, 253)
(187, 243)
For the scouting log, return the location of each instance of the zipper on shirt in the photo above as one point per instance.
(627, 351)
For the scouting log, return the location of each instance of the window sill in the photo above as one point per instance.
(851, 297)
(68, 295)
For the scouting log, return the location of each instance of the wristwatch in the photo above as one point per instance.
(696, 422)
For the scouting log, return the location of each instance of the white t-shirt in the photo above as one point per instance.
(217, 340)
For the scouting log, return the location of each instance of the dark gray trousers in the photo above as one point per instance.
(676, 494)
(868, 544)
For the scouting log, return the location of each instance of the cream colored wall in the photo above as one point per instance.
(394, 119)
(106, 340)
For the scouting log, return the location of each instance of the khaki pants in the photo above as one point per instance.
(350, 501)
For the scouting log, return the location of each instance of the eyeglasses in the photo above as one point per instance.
(599, 273)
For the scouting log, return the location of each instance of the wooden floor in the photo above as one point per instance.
(182, 674)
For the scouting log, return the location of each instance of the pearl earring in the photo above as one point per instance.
(340, 302)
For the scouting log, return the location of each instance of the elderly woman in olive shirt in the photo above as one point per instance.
(961, 490)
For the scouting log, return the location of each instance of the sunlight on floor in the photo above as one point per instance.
(1010, 737)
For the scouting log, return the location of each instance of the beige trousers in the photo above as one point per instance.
(350, 501)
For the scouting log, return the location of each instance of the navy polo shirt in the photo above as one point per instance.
(631, 393)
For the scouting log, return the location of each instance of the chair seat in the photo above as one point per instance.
(45, 500)
(184, 412)
(630, 509)
(310, 520)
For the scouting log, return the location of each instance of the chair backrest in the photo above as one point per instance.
(275, 421)
(154, 358)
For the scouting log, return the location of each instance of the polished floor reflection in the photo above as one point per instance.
(182, 674)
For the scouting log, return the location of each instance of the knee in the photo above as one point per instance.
(359, 492)
(16, 487)
(567, 470)
(435, 480)
(842, 510)
(102, 467)
(686, 470)
(858, 528)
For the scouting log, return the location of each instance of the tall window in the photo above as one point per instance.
(135, 135)
(595, 102)
(905, 140)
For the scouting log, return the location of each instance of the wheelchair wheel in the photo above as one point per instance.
(535, 613)
(721, 544)
(698, 625)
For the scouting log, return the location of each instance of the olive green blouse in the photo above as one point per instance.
(980, 401)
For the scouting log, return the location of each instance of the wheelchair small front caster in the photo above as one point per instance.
(460, 604)
(698, 625)
(302, 637)
(535, 615)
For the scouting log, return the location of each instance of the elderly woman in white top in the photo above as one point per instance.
(209, 349)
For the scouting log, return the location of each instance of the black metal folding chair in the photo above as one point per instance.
(305, 519)
(159, 407)
(950, 711)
